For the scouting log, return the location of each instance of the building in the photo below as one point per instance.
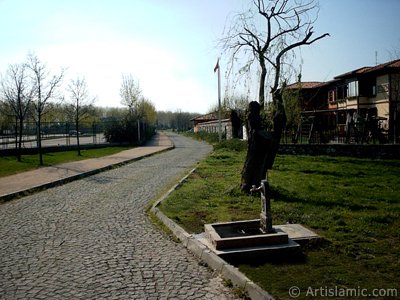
(230, 124)
(361, 103)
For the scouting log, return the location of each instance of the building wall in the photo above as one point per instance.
(395, 88)
(212, 127)
(382, 87)
(382, 99)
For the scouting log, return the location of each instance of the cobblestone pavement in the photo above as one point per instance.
(90, 239)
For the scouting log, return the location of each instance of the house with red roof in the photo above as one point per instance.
(359, 101)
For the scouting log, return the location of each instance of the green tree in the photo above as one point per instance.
(291, 101)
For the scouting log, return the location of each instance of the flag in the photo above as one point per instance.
(216, 66)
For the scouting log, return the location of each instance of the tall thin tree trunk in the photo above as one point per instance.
(20, 131)
(261, 92)
(16, 136)
(39, 139)
(77, 137)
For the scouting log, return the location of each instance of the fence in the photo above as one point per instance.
(337, 135)
(52, 134)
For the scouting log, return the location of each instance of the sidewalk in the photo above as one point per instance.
(27, 182)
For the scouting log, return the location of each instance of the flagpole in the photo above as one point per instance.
(219, 105)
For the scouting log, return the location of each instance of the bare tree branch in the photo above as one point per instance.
(80, 104)
(287, 26)
(45, 87)
(15, 90)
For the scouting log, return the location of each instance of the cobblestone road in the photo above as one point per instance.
(90, 239)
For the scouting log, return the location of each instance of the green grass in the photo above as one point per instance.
(354, 204)
(9, 165)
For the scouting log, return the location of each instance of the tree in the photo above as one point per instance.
(130, 96)
(178, 120)
(80, 105)
(286, 25)
(147, 113)
(130, 93)
(291, 101)
(17, 95)
(45, 87)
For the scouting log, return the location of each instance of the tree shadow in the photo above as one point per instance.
(323, 173)
(281, 194)
(296, 257)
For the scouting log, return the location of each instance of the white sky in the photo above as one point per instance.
(170, 45)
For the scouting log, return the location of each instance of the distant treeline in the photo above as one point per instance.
(179, 121)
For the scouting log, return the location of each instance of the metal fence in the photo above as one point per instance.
(52, 134)
(338, 135)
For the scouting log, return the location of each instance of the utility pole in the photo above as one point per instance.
(217, 68)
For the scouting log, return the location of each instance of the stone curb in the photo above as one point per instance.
(57, 182)
(206, 255)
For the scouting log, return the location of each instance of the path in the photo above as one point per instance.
(17, 184)
(90, 239)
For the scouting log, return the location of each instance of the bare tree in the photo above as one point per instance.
(267, 34)
(17, 94)
(130, 93)
(46, 87)
(80, 104)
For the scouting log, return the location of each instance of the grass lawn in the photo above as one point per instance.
(9, 164)
(354, 204)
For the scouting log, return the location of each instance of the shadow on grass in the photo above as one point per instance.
(281, 194)
(287, 258)
(322, 172)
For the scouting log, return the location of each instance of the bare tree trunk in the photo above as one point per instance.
(21, 123)
(77, 137)
(16, 137)
(261, 93)
(259, 141)
(262, 145)
(279, 125)
(39, 139)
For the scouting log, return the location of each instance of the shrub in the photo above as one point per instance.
(121, 131)
(233, 144)
(211, 138)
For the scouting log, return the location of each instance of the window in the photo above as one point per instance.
(331, 96)
(352, 89)
(341, 92)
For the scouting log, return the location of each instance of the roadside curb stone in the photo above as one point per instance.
(218, 264)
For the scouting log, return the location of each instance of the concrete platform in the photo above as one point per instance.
(297, 236)
(249, 252)
(242, 234)
(299, 233)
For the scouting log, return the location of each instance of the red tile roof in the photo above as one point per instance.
(394, 64)
(206, 117)
(305, 85)
(210, 117)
